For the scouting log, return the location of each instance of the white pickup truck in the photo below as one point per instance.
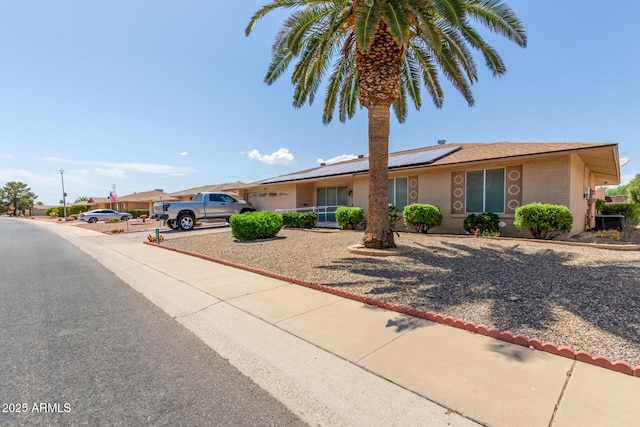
(183, 215)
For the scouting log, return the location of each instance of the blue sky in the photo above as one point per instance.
(164, 94)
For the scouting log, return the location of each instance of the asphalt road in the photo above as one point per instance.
(79, 347)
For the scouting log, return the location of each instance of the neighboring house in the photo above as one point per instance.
(142, 200)
(620, 198)
(186, 195)
(41, 210)
(601, 194)
(460, 179)
(98, 203)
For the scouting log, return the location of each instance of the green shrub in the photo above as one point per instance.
(629, 210)
(135, 213)
(349, 218)
(422, 217)
(52, 212)
(76, 209)
(299, 219)
(255, 225)
(544, 221)
(488, 224)
(113, 220)
(394, 216)
(600, 205)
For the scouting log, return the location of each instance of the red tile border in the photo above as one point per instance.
(522, 340)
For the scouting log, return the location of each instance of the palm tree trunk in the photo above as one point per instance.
(378, 234)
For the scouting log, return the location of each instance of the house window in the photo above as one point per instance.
(328, 200)
(332, 196)
(485, 191)
(399, 192)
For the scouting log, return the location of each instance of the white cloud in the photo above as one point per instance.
(280, 157)
(340, 158)
(184, 153)
(119, 170)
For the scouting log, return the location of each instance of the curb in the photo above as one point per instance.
(507, 336)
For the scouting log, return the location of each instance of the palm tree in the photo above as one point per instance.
(379, 53)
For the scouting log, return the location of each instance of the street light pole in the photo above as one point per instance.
(64, 195)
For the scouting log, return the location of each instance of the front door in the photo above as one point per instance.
(328, 200)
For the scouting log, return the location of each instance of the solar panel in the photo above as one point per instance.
(348, 167)
(329, 170)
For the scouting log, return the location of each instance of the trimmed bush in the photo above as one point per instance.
(422, 217)
(76, 209)
(255, 225)
(487, 224)
(544, 221)
(629, 210)
(299, 219)
(349, 218)
(135, 213)
(52, 212)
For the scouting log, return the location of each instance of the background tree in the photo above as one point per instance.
(380, 52)
(17, 194)
(617, 191)
(633, 189)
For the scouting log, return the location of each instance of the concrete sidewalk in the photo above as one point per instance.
(317, 352)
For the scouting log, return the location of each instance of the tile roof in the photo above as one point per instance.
(207, 188)
(471, 152)
(99, 199)
(398, 160)
(144, 196)
(606, 167)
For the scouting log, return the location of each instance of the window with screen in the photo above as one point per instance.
(485, 191)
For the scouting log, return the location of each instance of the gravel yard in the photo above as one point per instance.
(577, 296)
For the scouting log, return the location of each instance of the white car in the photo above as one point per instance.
(103, 215)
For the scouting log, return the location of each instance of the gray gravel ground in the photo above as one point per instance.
(577, 296)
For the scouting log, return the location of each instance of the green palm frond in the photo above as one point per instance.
(299, 25)
(453, 11)
(307, 75)
(453, 70)
(492, 59)
(323, 39)
(453, 44)
(411, 80)
(499, 18)
(277, 4)
(425, 30)
(367, 18)
(341, 90)
(336, 82)
(349, 96)
(427, 63)
(280, 60)
(400, 105)
(395, 16)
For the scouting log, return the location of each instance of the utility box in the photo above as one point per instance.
(609, 222)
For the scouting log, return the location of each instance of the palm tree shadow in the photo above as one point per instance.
(523, 291)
